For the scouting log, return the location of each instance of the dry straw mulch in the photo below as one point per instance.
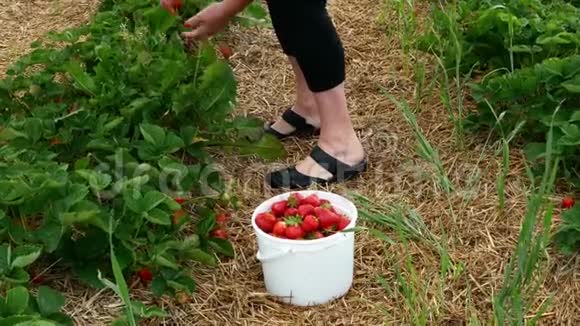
(477, 233)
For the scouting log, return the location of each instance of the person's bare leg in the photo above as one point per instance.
(337, 135)
(305, 104)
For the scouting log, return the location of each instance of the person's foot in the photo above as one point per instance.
(348, 150)
(306, 111)
(331, 161)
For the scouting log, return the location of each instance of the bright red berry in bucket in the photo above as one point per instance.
(294, 232)
(326, 217)
(266, 222)
(301, 217)
(311, 200)
(294, 200)
(291, 211)
(568, 203)
(306, 209)
(343, 222)
(280, 229)
(310, 223)
(279, 208)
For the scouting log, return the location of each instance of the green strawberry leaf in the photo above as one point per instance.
(222, 246)
(202, 257)
(17, 300)
(158, 216)
(158, 286)
(153, 134)
(152, 199)
(83, 81)
(49, 301)
(25, 255)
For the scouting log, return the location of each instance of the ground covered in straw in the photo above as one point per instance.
(479, 237)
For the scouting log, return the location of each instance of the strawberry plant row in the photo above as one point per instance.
(526, 54)
(106, 127)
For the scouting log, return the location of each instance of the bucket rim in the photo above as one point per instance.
(353, 218)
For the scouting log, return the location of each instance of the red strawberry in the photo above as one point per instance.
(219, 233)
(145, 275)
(327, 218)
(294, 232)
(55, 141)
(180, 200)
(280, 229)
(38, 280)
(311, 200)
(310, 223)
(279, 208)
(177, 4)
(178, 215)
(294, 200)
(291, 212)
(568, 203)
(318, 235)
(225, 50)
(266, 221)
(304, 210)
(343, 222)
(222, 218)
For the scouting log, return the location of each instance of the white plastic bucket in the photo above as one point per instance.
(308, 272)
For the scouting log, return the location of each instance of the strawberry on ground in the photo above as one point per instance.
(310, 223)
(178, 216)
(306, 209)
(38, 280)
(219, 234)
(222, 218)
(225, 50)
(279, 229)
(55, 141)
(180, 200)
(265, 222)
(568, 203)
(145, 275)
(279, 208)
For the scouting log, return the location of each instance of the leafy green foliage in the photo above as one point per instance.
(19, 307)
(529, 53)
(567, 236)
(95, 126)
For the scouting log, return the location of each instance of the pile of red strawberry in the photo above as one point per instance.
(302, 218)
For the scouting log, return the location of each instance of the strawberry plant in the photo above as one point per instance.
(567, 237)
(114, 122)
(19, 307)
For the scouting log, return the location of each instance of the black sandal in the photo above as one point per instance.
(292, 179)
(301, 127)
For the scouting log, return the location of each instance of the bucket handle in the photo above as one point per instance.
(287, 251)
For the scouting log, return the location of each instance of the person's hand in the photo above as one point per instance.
(207, 22)
(171, 5)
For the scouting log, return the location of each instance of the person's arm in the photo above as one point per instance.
(213, 18)
(234, 7)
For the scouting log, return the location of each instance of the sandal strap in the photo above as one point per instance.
(326, 161)
(294, 119)
(274, 132)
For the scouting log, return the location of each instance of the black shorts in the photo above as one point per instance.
(306, 31)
